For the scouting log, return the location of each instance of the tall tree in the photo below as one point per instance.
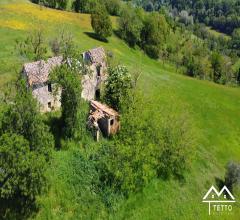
(216, 60)
(101, 22)
(130, 25)
(74, 108)
(154, 34)
(23, 118)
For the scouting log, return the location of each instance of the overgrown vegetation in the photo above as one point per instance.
(77, 191)
(101, 22)
(223, 15)
(26, 145)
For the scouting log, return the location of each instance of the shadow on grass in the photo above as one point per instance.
(54, 122)
(96, 37)
(219, 182)
(18, 208)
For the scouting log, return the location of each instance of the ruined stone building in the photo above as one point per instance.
(37, 75)
(103, 119)
(96, 59)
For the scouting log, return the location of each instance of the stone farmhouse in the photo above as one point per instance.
(103, 119)
(37, 75)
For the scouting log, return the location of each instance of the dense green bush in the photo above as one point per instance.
(85, 6)
(118, 87)
(23, 118)
(130, 25)
(74, 109)
(232, 176)
(101, 22)
(59, 4)
(149, 145)
(26, 147)
(21, 169)
(153, 34)
(113, 6)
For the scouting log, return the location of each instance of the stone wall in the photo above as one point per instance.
(48, 100)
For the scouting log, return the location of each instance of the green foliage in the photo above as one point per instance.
(217, 61)
(59, 4)
(74, 108)
(25, 147)
(154, 33)
(34, 47)
(130, 25)
(21, 169)
(177, 145)
(101, 22)
(113, 6)
(232, 176)
(75, 188)
(23, 118)
(63, 45)
(223, 15)
(148, 145)
(235, 41)
(118, 87)
(85, 6)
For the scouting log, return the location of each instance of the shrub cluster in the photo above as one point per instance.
(148, 146)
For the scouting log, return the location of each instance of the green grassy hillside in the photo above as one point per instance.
(214, 110)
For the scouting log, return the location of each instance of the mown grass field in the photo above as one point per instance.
(214, 110)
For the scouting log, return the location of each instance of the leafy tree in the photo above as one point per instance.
(177, 143)
(185, 18)
(126, 164)
(235, 41)
(63, 44)
(101, 22)
(23, 118)
(85, 6)
(113, 6)
(25, 149)
(238, 76)
(154, 33)
(74, 109)
(34, 47)
(77, 5)
(118, 87)
(216, 61)
(130, 25)
(62, 4)
(22, 171)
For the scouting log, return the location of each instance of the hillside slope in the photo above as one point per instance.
(214, 110)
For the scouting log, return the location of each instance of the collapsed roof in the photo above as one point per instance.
(104, 109)
(96, 55)
(38, 72)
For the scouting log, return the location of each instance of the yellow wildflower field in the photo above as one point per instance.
(13, 24)
(43, 14)
(46, 14)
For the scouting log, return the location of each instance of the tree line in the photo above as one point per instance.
(83, 6)
(222, 15)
